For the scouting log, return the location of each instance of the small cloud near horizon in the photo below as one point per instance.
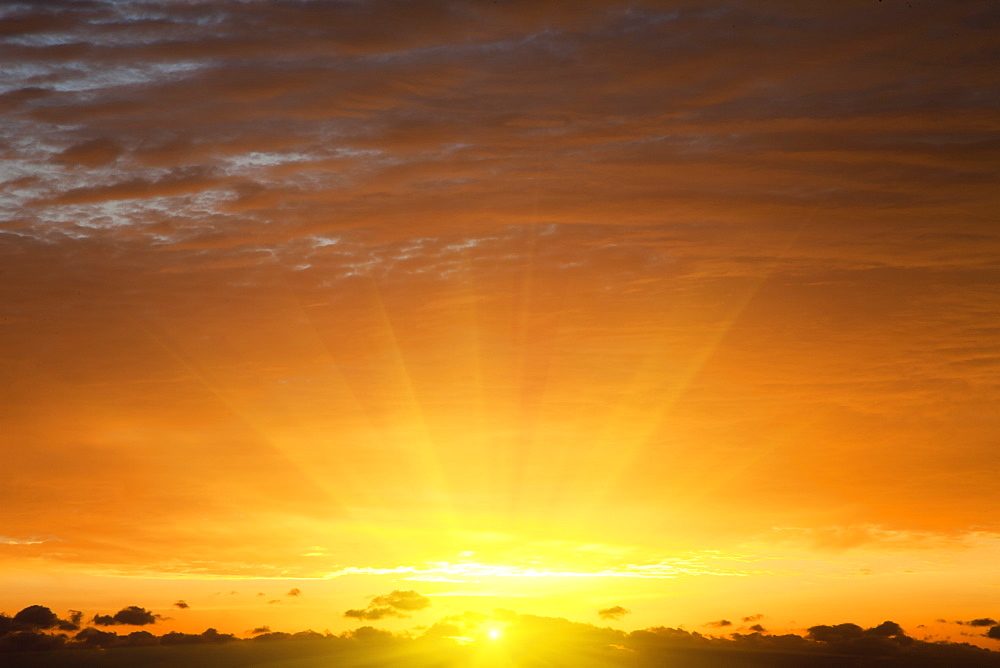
(615, 612)
(393, 604)
(131, 615)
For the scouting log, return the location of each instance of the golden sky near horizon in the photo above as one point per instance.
(688, 307)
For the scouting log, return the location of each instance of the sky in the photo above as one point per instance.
(687, 309)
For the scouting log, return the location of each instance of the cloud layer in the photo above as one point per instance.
(526, 639)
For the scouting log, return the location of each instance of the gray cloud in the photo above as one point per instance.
(131, 615)
(615, 612)
(394, 604)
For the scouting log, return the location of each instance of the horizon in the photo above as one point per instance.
(37, 637)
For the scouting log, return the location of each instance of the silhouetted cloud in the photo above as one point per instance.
(753, 618)
(758, 628)
(886, 629)
(132, 615)
(719, 624)
(615, 612)
(982, 621)
(182, 605)
(394, 604)
(994, 632)
(295, 591)
(403, 600)
(67, 625)
(536, 641)
(373, 613)
(96, 638)
(839, 632)
(36, 616)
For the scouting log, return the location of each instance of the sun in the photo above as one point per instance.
(494, 634)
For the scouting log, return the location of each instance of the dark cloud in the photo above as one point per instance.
(994, 632)
(394, 604)
(887, 629)
(982, 621)
(373, 613)
(753, 618)
(30, 641)
(840, 632)
(181, 604)
(92, 637)
(758, 628)
(295, 591)
(40, 617)
(719, 624)
(615, 612)
(131, 616)
(36, 616)
(140, 639)
(408, 600)
(537, 641)
(67, 625)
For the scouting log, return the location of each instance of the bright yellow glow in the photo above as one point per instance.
(494, 634)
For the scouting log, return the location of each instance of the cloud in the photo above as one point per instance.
(994, 632)
(182, 605)
(408, 600)
(373, 613)
(840, 632)
(36, 616)
(394, 604)
(758, 628)
(719, 624)
(614, 612)
(546, 640)
(887, 629)
(132, 616)
(295, 591)
(753, 618)
(982, 621)
(72, 622)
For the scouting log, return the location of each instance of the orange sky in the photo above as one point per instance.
(688, 307)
